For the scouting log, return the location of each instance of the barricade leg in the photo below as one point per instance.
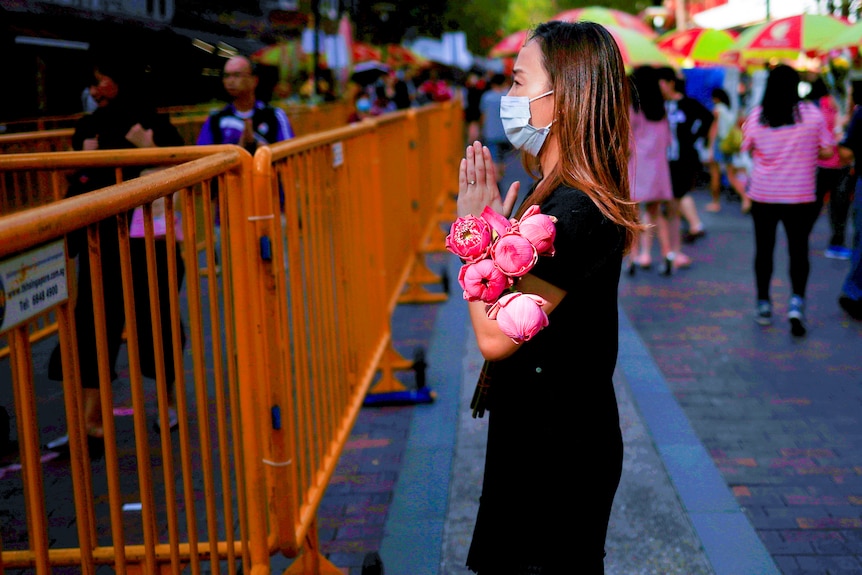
(390, 391)
(415, 291)
(310, 561)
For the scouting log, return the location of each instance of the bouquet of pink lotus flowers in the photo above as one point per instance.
(496, 252)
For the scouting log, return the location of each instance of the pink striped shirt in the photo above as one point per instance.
(785, 158)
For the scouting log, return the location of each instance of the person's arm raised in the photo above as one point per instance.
(477, 184)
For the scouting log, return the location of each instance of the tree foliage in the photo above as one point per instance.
(481, 21)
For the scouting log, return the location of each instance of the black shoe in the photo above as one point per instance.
(666, 268)
(853, 307)
(691, 237)
(60, 445)
(796, 316)
(96, 447)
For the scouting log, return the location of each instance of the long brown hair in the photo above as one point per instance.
(592, 99)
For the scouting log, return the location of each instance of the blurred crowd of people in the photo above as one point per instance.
(785, 151)
(787, 154)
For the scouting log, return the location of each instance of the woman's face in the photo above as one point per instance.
(104, 89)
(529, 78)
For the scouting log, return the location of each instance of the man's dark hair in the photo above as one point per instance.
(819, 89)
(498, 80)
(721, 95)
(666, 73)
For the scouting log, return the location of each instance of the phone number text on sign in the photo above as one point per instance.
(32, 282)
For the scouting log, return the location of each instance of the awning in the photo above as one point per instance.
(746, 12)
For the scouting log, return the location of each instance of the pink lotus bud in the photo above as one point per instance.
(539, 229)
(482, 281)
(469, 238)
(497, 221)
(514, 254)
(519, 315)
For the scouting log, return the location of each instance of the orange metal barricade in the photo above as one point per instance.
(191, 509)
(341, 253)
(284, 344)
(305, 119)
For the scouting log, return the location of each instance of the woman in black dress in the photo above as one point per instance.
(126, 118)
(554, 454)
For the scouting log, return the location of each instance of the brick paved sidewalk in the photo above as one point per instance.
(780, 416)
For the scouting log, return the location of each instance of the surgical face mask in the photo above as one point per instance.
(515, 114)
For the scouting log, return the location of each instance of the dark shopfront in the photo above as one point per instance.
(47, 64)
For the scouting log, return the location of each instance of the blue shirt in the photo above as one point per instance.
(492, 125)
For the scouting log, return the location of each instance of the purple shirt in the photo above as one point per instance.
(232, 125)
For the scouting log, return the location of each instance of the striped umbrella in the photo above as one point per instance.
(287, 56)
(365, 53)
(637, 49)
(849, 38)
(604, 16)
(785, 38)
(698, 46)
(396, 55)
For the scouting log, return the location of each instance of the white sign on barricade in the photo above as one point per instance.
(31, 283)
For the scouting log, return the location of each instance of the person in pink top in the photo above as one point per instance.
(786, 137)
(834, 182)
(649, 168)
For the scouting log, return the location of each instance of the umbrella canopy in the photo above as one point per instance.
(637, 49)
(365, 53)
(786, 38)
(397, 56)
(700, 46)
(366, 73)
(509, 46)
(287, 56)
(604, 16)
(848, 38)
(276, 54)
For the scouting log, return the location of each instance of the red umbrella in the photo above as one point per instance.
(786, 38)
(509, 46)
(365, 53)
(701, 46)
(398, 55)
(603, 16)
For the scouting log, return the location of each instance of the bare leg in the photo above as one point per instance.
(714, 187)
(688, 210)
(661, 227)
(93, 412)
(657, 227)
(644, 257)
(738, 186)
(675, 210)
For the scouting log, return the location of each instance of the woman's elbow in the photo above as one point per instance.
(496, 350)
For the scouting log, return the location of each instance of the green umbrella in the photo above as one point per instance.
(700, 46)
(603, 15)
(849, 38)
(637, 49)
